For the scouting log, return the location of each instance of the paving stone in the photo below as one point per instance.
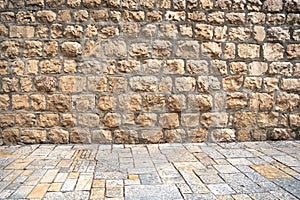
(220, 189)
(282, 194)
(236, 153)
(84, 182)
(150, 179)
(67, 195)
(49, 176)
(264, 195)
(241, 184)
(69, 185)
(239, 161)
(269, 171)
(288, 160)
(241, 197)
(38, 191)
(152, 192)
(226, 169)
(22, 192)
(199, 196)
(289, 184)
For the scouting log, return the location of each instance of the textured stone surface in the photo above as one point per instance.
(149, 71)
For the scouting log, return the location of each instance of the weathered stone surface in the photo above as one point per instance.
(71, 49)
(4, 102)
(58, 102)
(80, 136)
(107, 103)
(273, 51)
(223, 135)
(88, 120)
(10, 136)
(115, 49)
(146, 119)
(176, 102)
(208, 84)
(67, 120)
(248, 50)
(58, 136)
(101, 136)
(169, 120)
(144, 83)
(232, 83)
(174, 67)
(219, 119)
(175, 135)
(293, 51)
(287, 101)
(203, 31)
(197, 67)
(48, 120)
(253, 83)
(267, 119)
(200, 102)
(126, 137)
(197, 135)
(20, 102)
(7, 120)
(245, 119)
(261, 101)
(188, 49)
(189, 119)
(112, 120)
(185, 84)
(152, 136)
(290, 84)
(31, 136)
(281, 134)
(45, 83)
(236, 100)
(212, 49)
(130, 102)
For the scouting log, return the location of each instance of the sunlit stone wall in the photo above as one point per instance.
(149, 71)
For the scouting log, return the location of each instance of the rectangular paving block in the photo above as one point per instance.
(153, 192)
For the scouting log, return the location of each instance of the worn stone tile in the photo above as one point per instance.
(263, 195)
(150, 179)
(55, 187)
(241, 197)
(114, 192)
(38, 191)
(22, 192)
(84, 182)
(97, 193)
(236, 153)
(226, 169)
(220, 189)
(268, 171)
(49, 176)
(153, 192)
(289, 184)
(69, 185)
(199, 196)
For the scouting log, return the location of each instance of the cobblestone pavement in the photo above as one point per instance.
(262, 170)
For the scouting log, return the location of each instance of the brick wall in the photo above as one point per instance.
(149, 71)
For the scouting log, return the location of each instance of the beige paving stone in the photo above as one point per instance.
(39, 191)
(84, 182)
(49, 176)
(19, 164)
(97, 193)
(269, 171)
(55, 187)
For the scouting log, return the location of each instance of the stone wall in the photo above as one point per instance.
(149, 71)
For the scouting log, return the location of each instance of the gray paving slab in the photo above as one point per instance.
(239, 171)
(153, 192)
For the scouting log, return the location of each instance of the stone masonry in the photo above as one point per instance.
(149, 71)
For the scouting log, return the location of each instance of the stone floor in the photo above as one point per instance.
(260, 170)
